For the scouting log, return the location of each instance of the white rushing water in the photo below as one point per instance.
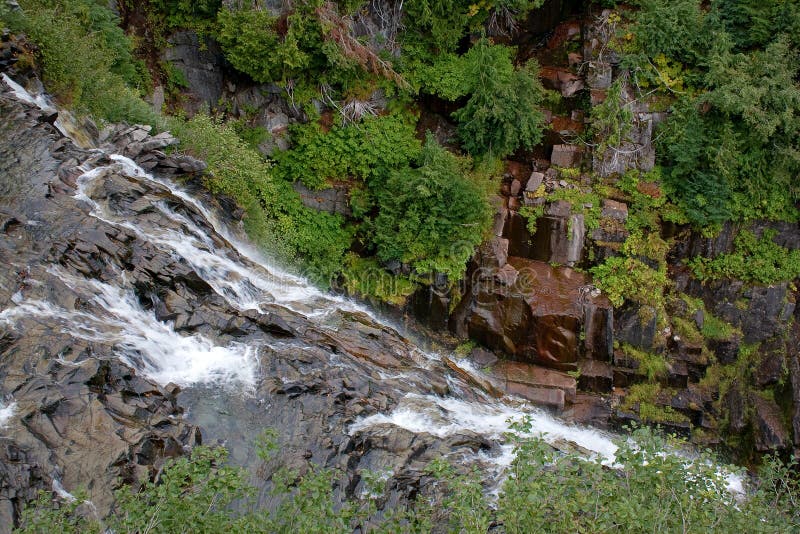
(6, 412)
(65, 123)
(444, 416)
(243, 279)
(143, 342)
(242, 276)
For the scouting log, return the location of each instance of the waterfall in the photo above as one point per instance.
(109, 311)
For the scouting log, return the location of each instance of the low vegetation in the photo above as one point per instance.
(546, 490)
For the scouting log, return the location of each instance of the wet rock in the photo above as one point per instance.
(772, 364)
(736, 408)
(636, 326)
(522, 376)
(726, 351)
(537, 319)
(589, 410)
(493, 253)
(759, 311)
(595, 376)
(614, 210)
(201, 62)
(770, 432)
(333, 199)
(501, 213)
(566, 156)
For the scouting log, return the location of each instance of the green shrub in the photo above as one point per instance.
(364, 151)
(629, 279)
(85, 59)
(251, 44)
(502, 112)
(433, 216)
(647, 491)
(275, 218)
(612, 120)
(653, 366)
(365, 277)
(195, 14)
(674, 28)
(758, 260)
(652, 487)
(304, 50)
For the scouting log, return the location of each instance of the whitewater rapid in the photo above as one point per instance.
(243, 277)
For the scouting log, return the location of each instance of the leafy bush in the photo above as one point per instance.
(646, 491)
(758, 260)
(275, 217)
(433, 216)
(85, 58)
(674, 28)
(612, 120)
(652, 487)
(729, 147)
(365, 277)
(196, 14)
(502, 112)
(251, 44)
(307, 48)
(364, 151)
(629, 279)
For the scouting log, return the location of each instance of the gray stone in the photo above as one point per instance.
(201, 62)
(534, 182)
(566, 156)
(613, 209)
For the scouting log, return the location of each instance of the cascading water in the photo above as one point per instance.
(160, 353)
(238, 383)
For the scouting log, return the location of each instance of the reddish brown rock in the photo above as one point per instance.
(536, 319)
(595, 376)
(518, 374)
(589, 410)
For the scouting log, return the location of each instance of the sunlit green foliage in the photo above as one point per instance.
(275, 217)
(758, 260)
(502, 112)
(85, 58)
(432, 216)
(623, 279)
(653, 486)
(363, 151)
(730, 147)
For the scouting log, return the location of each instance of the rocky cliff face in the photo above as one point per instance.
(524, 299)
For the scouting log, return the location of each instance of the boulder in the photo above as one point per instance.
(566, 156)
(613, 209)
(595, 376)
(770, 432)
(536, 319)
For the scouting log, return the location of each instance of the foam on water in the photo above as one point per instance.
(6, 412)
(143, 342)
(41, 101)
(444, 416)
(243, 279)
